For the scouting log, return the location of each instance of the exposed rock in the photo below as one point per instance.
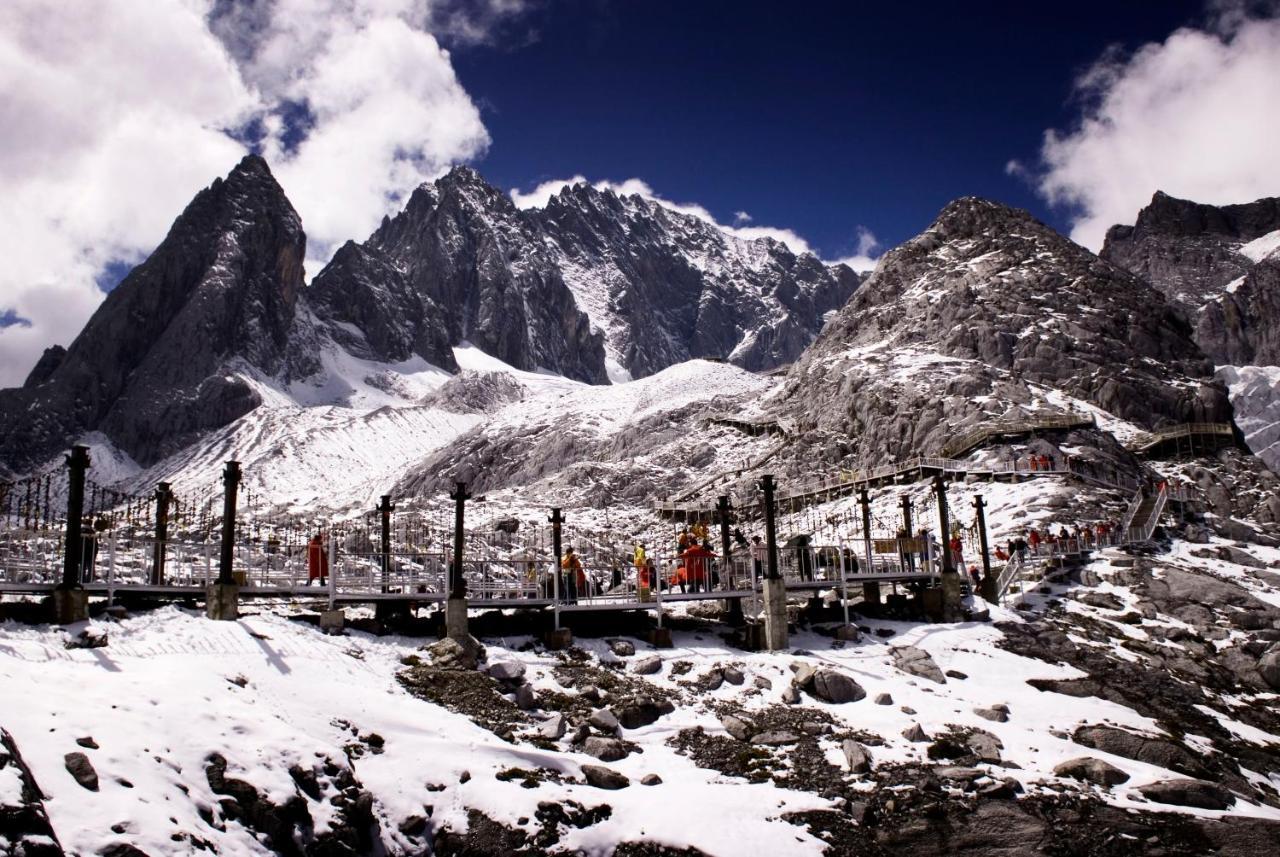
(857, 756)
(79, 766)
(605, 720)
(736, 727)
(733, 675)
(553, 728)
(451, 654)
(915, 733)
(509, 671)
(525, 699)
(633, 712)
(917, 662)
(1091, 770)
(604, 778)
(622, 648)
(605, 749)
(763, 683)
(1152, 751)
(884, 699)
(651, 780)
(831, 686)
(984, 745)
(992, 714)
(1269, 668)
(774, 738)
(1195, 793)
(648, 665)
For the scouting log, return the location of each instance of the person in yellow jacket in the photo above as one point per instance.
(574, 579)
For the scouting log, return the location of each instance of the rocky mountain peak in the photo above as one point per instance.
(1173, 217)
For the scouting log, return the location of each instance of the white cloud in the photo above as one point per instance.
(741, 217)
(862, 259)
(541, 195)
(115, 115)
(1196, 116)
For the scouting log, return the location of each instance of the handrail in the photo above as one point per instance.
(1149, 439)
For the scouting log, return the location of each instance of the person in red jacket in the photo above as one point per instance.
(697, 566)
(317, 559)
(1033, 538)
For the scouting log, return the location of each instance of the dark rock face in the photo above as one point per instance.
(669, 287)
(1197, 256)
(990, 304)
(152, 368)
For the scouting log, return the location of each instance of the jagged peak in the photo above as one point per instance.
(974, 215)
(1174, 216)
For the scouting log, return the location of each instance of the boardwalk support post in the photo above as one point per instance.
(384, 515)
(455, 608)
(907, 526)
(222, 599)
(870, 588)
(988, 586)
(163, 495)
(774, 587)
(733, 606)
(70, 601)
(557, 638)
(950, 578)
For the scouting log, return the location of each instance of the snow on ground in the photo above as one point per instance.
(1260, 248)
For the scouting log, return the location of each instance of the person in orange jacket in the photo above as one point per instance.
(317, 559)
(697, 566)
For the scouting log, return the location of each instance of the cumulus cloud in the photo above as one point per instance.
(541, 195)
(863, 258)
(118, 113)
(1196, 116)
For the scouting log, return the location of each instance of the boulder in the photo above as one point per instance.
(634, 712)
(774, 738)
(79, 767)
(451, 654)
(790, 695)
(884, 699)
(917, 662)
(736, 727)
(856, 756)
(648, 665)
(763, 683)
(1103, 600)
(804, 673)
(604, 720)
(604, 778)
(553, 728)
(509, 671)
(984, 745)
(525, 700)
(1152, 751)
(651, 780)
(1195, 793)
(993, 714)
(915, 733)
(605, 749)
(837, 688)
(733, 675)
(1091, 770)
(622, 648)
(1269, 668)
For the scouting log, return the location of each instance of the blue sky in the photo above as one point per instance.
(819, 117)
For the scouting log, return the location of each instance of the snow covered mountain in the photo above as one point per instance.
(1221, 264)
(989, 315)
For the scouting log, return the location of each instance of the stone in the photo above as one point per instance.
(622, 648)
(803, 673)
(1102, 600)
(81, 769)
(553, 728)
(883, 699)
(1140, 748)
(1091, 770)
(763, 683)
(604, 720)
(649, 665)
(87, 742)
(1194, 793)
(605, 749)
(733, 675)
(581, 733)
(711, 681)
(856, 756)
(413, 825)
(736, 727)
(957, 772)
(774, 738)
(915, 733)
(1269, 668)
(509, 671)
(525, 699)
(956, 674)
(984, 745)
(992, 714)
(453, 654)
(790, 695)
(837, 688)
(604, 778)
(651, 780)
(917, 662)
(634, 712)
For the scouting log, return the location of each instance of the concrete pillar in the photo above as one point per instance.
(775, 613)
(950, 596)
(332, 621)
(660, 638)
(455, 619)
(222, 601)
(70, 606)
(558, 639)
(733, 612)
(871, 591)
(988, 589)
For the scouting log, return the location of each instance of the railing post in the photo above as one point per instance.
(384, 512)
(70, 601)
(222, 598)
(950, 580)
(724, 510)
(559, 637)
(775, 589)
(908, 525)
(333, 570)
(988, 584)
(158, 554)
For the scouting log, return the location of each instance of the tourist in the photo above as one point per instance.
(317, 560)
(573, 576)
(759, 555)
